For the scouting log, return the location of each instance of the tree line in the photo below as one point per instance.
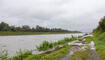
(25, 28)
(101, 26)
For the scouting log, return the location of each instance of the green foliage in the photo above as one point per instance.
(99, 40)
(80, 55)
(4, 55)
(49, 45)
(21, 55)
(25, 28)
(53, 56)
(4, 27)
(101, 26)
(100, 45)
(45, 46)
(73, 38)
(35, 57)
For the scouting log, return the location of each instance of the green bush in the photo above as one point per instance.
(45, 46)
(49, 45)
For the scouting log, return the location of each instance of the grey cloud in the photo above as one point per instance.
(82, 15)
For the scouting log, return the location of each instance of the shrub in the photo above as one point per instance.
(49, 45)
(45, 46)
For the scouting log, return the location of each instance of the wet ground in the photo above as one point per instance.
(72, 50)
(93, 55)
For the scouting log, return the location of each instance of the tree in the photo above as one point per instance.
(4, 26)
(102, 24)
(26, 28)
(39, 28)
(13, 28)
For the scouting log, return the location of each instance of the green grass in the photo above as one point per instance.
(29, 33)
(52, 56)
(45, 46)
(27, 55)
(3, 55)
(21, 55)
(49, 45)
(99, 39)
(80, 55)
(100, 45)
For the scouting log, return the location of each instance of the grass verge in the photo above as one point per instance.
(99, 40)
(80, 55)
(52, 56)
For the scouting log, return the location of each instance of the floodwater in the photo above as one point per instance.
(29, 42)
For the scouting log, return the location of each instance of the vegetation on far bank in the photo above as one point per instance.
(4, 27)
(30, 33)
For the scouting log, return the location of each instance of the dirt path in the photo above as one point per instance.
(93, 54)
(72, 50)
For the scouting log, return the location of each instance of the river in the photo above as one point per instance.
(23, 42)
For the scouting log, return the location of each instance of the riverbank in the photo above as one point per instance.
(30, 33)
(99, 39)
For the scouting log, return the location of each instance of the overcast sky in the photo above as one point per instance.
(81, 15)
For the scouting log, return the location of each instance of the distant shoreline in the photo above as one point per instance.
(31, 33)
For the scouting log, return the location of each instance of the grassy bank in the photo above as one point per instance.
(100, 45)
(99, 39)
(80, 55)
(29, 33)
(55, 55)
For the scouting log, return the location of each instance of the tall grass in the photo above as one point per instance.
(80, 55)
(49, 45)
(99, 39)
(21, 55)
(45, 46)
(4, 55)
(56, 55)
